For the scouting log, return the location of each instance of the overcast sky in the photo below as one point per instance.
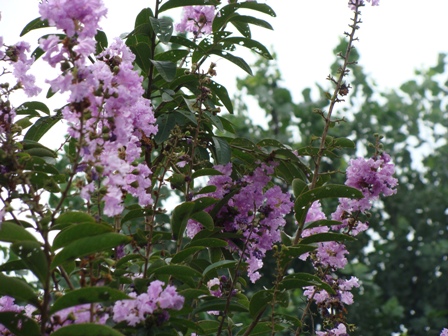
(395, 38)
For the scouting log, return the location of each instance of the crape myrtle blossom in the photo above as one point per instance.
(254, 211)
(72, 315)
(197, 19)
(155, 301)
(106, 112)
(373, 177)
(352, 3)
(340, 330)
(444, 332)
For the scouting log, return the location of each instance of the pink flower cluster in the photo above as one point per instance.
(197, 19)
(373, 177)
(156, 299)
(255, 211)
(444, 332)
(106, 112)
(18, 62)
(353, 3)
(72, 315)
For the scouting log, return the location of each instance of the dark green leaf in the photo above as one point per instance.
(297, 251)
(250, 44)
(222, 150)
(32, 255)
(86, 329)
(89, 245)
(299, 186)
(205, 172)
(251, 20)
(12, 232)
(74, 217)
(32, 107)
(101, 41)
(166, 69)
(142, 52)
(34, 24)
(19, 324)
(219, 305)
(87, 295)
(172, 55)
(79, 231)
(203, 203)
(238, 61)
(262, 328)
(325, 237)
(166, 123)
(219, 265)
(205, 219)
(185, 253)
(41, 126)
(14, 265)
(208, 242)
(259, 301)
(180, 217)
(18, 289)
(163, 27)
(181, 3)
(177, 271)
(222, 94)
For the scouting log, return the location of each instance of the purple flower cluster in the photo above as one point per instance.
(340, 330)
(373, 177)
(72, 315)
(18, 62)
(255, 211)
(156, 299)
(106, 112)
(79, 17)
(197, 19)
(444, 332)
(353, 3)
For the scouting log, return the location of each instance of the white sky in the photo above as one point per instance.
(395, 38)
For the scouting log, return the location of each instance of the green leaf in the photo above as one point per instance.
(165, 123)
(89, 245)
(101, 41)
(203, 203)
(41, 126)
(297, 251)
(262, 328)
(180, 217)
(219, 265)
(299, 186)
(325, 237)
(238, 61)
(142, 52)
(185, 253)
(322, 222)
(40, 152)
(87, 295)
(177, 271)
(222, 150)
(259, 301)
(172, 55)
(86, 329)
(18, 289)
(343, 142)
(73, 217)
(19, 324)
(32, 107)
(12, 232)
(136, 213)
(250, 44)
(299, 280)
(181, 3)
(220, 91)
(304, 201)
(208, 242)
(205, 172)
(251, 20)
(205, 219)
(14, 265)
(37, 23)
(219, 305)
(24, 122)
(32, 255)
(166, 69)
(163, 27)
(78, 231)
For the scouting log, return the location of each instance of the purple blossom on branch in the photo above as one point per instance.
(197, 19)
